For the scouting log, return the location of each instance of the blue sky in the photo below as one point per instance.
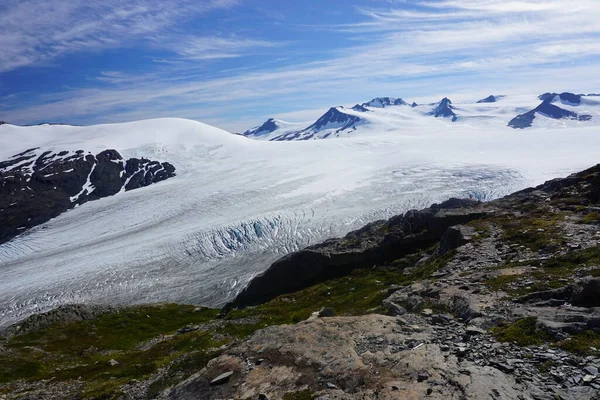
(234, 63)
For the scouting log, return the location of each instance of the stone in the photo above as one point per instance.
(591, 370)
(507, 369)
(221, 379)
(422, 376)
(474, 330)
(113, 362)
(588, 293)
(394, 309)
(326, 312)
(456, 236)
(588, 379)
(331, 386)
(461, 351)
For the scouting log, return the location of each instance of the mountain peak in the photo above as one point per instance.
(444, 109)
(382, 102)
(267, 127)
(564, 97)
(490, 99)
(549, 110)
(360, 108)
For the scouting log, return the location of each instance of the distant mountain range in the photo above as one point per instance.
(389, 113)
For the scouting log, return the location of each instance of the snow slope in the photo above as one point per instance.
(237, 204)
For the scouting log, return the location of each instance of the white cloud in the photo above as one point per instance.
(35, 31)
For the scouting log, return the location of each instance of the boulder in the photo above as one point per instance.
(456, 236)
(587, 293)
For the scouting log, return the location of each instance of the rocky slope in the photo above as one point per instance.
(38, 185)
(462, 300)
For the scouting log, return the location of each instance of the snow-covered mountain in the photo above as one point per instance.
(444, 109)
(272, 128)
(563, 106)
(384, 114)
(236, 204)
(336, 121)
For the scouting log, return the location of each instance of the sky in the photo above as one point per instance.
(235, 63)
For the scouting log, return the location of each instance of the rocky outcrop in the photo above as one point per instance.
(410, 357)
(375, 243)
(37, 185)
(444, 109)
(62, 314)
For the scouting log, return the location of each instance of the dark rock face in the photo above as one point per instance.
(266, 128)
(375, 243)
(490, 99)
(37, 186)
(414, 104)
(587, 294)
(444, 109)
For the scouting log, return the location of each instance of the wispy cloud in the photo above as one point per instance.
(34, 31)
(402, 48)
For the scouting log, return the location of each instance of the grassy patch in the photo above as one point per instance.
(537, 230)
(302, 395)
(82, 350)
(584, 344)
(550, 274)
(522, 332)
(114, 331)
(591, 218)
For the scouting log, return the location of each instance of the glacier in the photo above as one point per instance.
(238, 204)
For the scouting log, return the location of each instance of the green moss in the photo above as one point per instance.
(522, 332)
(302, 395)
(18, 368)
(546, 366)
(549, 275)
(535, 230)
(82, 350)
(591, 218)
(584, 344)
(114, 331)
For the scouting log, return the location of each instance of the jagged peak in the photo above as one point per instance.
(360, 108)
(444, 109)
(382, 102)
